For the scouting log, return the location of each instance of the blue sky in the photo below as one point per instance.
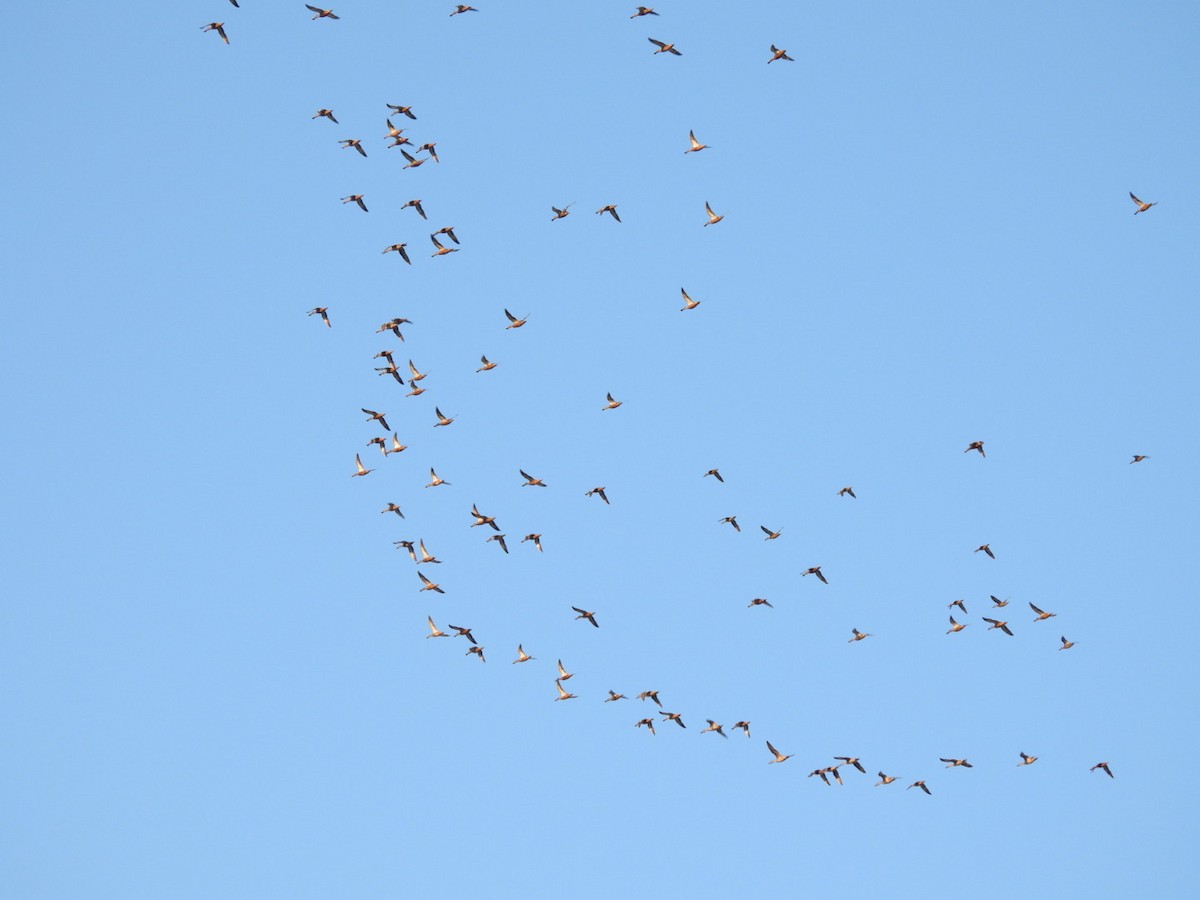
(218, 677)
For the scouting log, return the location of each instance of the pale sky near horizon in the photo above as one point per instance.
(218, 677)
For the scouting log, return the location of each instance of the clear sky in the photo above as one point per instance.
(217, 676)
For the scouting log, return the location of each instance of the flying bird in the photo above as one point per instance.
(393, 132)
(858, 636)
(677, 718)
(779, 757)
(1027, 760)
(401, 110)
(414, 373)
(430, 148)
(1137, 458)
(955, 626)
(653, 695)
(463, 631)
(433, 629)
(745, 726)
(487, 366)
(732, 520)
(413, 162)
(951, 763)
(478, 651)
(219, 28)
(499, 539)
(522, 656)
(664, 48)
(919, 784)
(759, 601)
(458, 10)
(584, 614)
(434, 480)
(688, 302)
(408, 545)
(770, 535)
(997, 603)
(399, 248)
(441, 251)
(361, 470)
(562, 213)
(715, 474)
(852, 761)
(376, 417)
(1104, 766)
(1041, 614)
(713, 726)
(847, 490)
(643, 11)
(427, 585)
(449, 232)
(530, 481)
(649, 723)
(713, 218)
(1066, 645)
(986, 548)
(562, 693)
(776, 53)
(960, 604)
(481, 519)
(609, 208)
(1141, 206)
(396, 447)
(536, 538)
(696, 145)
(885, 779)
(599, 491)
(356, 198)
(321, 13)
(814, 570)
(613, 695)
(996, 623)
(416, 204)
(563, 674)
(323, 312)
(355, 143)
(514, 322)
(975, 445)
(392, 507)
(612, 404)
(326, 114)
(441, 419)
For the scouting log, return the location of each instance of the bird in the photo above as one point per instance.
(426, 556)
(487, 366)
(481, 519)
(1027, 760)
(441, 251)
(609, 208)
(1104, 766)
(649, 723)
(776, 53)
(759, 601)
(462, 9)
(713, 726)
(563, 674)
(356, 198)
(653, 695)
(219, 28)
(427, 585)
(561, 213)
(522, 656)
(732, 520)
(997, 603)
(715, 474)
(921, 785)
(1066, 645)
(745, 726)
(234, 2)
(643, 11)
(562, 693)
(1041, 614)
(499, 539)
(847, 490)
(663, 47)
(814, 570)
(852, 761)
(409, 546)
(323, 312)
(355, 143)
(858, 636)
(376, 417)
(416, 391)
(442, 419)
(996, 623)
(613, 695)
(399, 248)
(584, 614)
(536, 538)
(885, 779)
(416, 204)
(713, 218)
(361, 470)
(955, 626)
(986, 548)
(688, 302)
(430, 148)
(478, 651)
(413, 162)
(393, 132)
(1137, 458)
(514, 322)
(396, 447)
(975, 445)
(326, 114)
(677, 718)
(401, 110)
(414, 373)
(433, 629)
(824, 773)
(530, 481)
(770, 535)
(392, 507)
(779, 757)
(463, 631)
(434, 480)
(952, 763)
(1141, 205)
(321, 13)
(449, 232)
(960, 605)
(696, 145)
(599, 491)
(399, 141)
(392, 325)
(393, 370)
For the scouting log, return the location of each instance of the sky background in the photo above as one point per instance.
(217, 681)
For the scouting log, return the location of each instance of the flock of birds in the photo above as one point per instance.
(390, 444)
